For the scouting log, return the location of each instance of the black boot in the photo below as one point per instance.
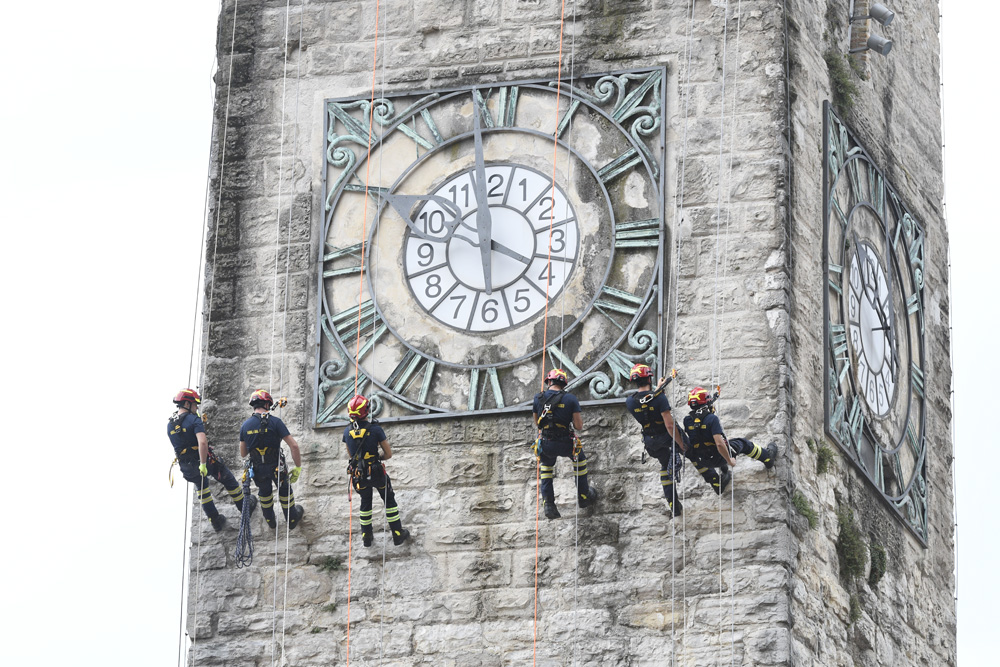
(587, 499)
(399, 535)
(367, 537)
(218, 522)
(551, 511)
(268, 513)
(676, 509)
(251, 500)
(724, 480)
(770, 454)
(295, 514)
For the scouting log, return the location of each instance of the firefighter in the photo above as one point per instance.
(556, 413)
(710, 449)
(363, 440)
(196, 459)
(261, 436)
(662, 438)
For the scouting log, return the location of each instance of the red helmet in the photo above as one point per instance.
(557, 375)
(261, 399)
(185, 395)
(357, 407)
(640, 371)
(697, 397)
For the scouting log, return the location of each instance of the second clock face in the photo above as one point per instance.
(870, 332)
(448, 275)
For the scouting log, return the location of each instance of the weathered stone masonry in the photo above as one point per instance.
(462, 592)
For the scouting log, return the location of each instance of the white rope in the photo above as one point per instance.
(184, 564)
(211, 301)
(374, 287)
(722, 321)
(284, 322)
(675, 272)
(274, 323)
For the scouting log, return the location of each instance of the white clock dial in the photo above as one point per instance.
(446, 273)
(870, 333)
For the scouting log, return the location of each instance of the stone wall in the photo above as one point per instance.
(623, 585)
(908, 618)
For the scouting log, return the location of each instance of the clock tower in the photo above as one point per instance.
(434, 202)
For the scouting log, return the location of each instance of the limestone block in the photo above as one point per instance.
(440, 637)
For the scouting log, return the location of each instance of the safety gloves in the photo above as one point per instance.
(203, 469)
(294, 475)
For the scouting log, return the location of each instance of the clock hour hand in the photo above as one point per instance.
(861, 264)
(484, 220)
(510, 252)
(403, 203)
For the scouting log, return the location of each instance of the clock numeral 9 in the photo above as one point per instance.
(489, 312)
(425, 252)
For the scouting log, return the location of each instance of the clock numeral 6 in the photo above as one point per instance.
(489, 312)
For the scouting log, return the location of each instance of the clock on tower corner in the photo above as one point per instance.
(874, 325)
(471, 233)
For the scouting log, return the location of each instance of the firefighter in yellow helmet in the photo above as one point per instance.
(710, 449)
(364, 440)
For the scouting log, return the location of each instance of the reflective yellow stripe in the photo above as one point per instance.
(207, 500)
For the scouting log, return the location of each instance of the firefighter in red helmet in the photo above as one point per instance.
(556, 413)
(196, 459)
(261, 436)
(662, 438)
(364, 439)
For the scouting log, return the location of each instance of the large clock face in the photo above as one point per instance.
(489, 230)
(874, 325)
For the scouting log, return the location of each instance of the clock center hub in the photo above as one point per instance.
(512, 235)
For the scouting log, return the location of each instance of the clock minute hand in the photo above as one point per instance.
(484, 220)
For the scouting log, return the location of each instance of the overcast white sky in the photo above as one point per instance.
(105, 118)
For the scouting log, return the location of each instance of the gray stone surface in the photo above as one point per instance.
(748, 583)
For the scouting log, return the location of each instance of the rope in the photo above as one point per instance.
(244, 541)
(722, 323)
(184, 551)
(545, 326)
(211, 301)
(197, 578)
(361, 283)
(675, 271)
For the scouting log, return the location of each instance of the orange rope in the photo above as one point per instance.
(545, 326)
(361, 284)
